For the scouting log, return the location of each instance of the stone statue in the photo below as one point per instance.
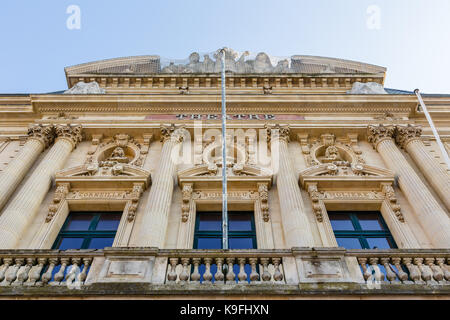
(85, 88)
(367, 88)
(118, 155)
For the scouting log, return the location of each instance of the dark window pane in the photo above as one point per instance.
(379, 243)
(209, 243)
(240, 222)
(349, 243)
(240, 243)
(210, 222)
(109, 221)
(100, 243)
(79, 221)
(370, 221)
(341, 221)
(70, 243)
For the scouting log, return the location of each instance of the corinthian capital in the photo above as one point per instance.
(277, 132)
(406, 134)
(44, 134)
(173, 133)
(68, 132)
(376, 134)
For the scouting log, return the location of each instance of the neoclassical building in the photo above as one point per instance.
(113, 188)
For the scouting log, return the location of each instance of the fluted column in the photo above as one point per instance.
(430, 214)
(39, 138)
(156, 213)
(24, 205)
(408, 137)
(296, 226)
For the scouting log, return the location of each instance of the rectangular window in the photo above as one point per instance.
(88, 230)
(241, 230)
(361, 230)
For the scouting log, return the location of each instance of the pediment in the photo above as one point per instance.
(346, 176)
(91, 176)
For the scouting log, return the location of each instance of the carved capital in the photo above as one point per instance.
(376, 134)
(175, 134)
(406, 134)
(278, 132)
(44, 134)
(70, 133)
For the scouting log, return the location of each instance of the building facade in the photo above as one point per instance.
(113, 188)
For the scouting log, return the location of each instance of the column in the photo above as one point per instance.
(40, 137)
(296, 226)
(408, 137)
(153, 227)
(23, 207)
(431, 216)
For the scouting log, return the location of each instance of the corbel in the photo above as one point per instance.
(263, 191)
(389, 193)
(187, 198)
(138, 189)
(315, 199)
(60, 194)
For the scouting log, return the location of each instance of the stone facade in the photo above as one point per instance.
(147, 143)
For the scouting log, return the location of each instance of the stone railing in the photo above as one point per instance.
(408, 266)
(45, 267)
(226, 267)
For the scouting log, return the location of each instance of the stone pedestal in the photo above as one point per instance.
(39, 138)
(408, 137)
(430, 214)
(23, 207)
(296, 226)
(154, 222)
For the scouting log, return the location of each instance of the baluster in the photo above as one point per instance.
(242, 276)
(277, 275)
(207, 276)
(35, 272)
(83, 274)
(390, 275)
(438, 275)
(414, 273)
(219, 276)
(196, 274)
(426, 274)
(379, 276)
(440, 262)
(6, 263)
(11, 274)
(47, 276)
(184, 275)
(366, 273)
(172, 275)
(266, 275)
(74, 271)
(231, 276)
(402, 275)
(22, 273)
(59, 277)
(254, 276)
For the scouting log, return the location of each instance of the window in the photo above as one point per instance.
(241, 230)
(88, 230)
(361, 230)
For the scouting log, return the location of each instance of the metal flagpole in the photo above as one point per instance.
(224, 160)
(433, 128)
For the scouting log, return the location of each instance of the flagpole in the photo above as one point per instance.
(224, 160)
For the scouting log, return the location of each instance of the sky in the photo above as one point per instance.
(411, 38)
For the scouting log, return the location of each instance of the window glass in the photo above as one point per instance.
(240, 222)
(209, 243)
(341, 221)
(379, 243)
(70, 243)
(240, 243)
(210, 222)
(79, 221)
(100, 243)
(349, 243)
(109, 221)
(370, 221)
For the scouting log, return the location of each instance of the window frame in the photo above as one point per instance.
(89, 234)
(231, 234)
(361, 234)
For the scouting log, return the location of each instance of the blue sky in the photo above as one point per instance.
(412, 41)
